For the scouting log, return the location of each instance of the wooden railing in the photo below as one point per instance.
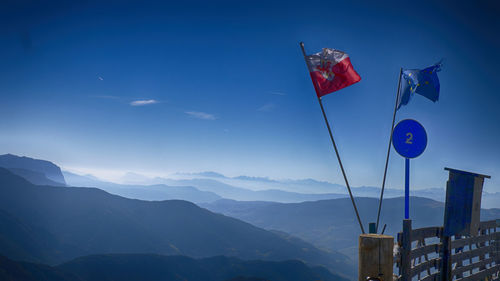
(426, 254)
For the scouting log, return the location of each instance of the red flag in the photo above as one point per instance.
(331, 70)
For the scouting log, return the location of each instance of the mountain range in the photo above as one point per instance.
(194, 190)
(331, 224)
(63, 223)
(156, 192)
(208, 187)
(50, 216)
(321, 190)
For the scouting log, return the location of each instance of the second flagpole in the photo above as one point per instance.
(336, 151)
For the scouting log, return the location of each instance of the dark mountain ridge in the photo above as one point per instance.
(156, 267)
(144, 267)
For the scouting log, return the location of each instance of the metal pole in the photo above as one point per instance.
(337, 152)
(388, 150)
(407, 188)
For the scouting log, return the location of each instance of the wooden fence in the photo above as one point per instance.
(426, 254)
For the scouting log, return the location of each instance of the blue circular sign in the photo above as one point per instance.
(409, 138)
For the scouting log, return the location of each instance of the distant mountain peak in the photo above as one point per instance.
(208, 174)
(34, 168)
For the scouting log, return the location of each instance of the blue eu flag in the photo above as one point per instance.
(424, 82)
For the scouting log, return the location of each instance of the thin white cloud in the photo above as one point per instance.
(106, 97)
(278, 93)
(201, 115)
(266, 107)
(143, 102)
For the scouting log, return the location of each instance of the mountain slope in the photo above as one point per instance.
(21, 241)
(34, 177)
(32, 168)
(24, 271)
(87, 221)
(155, 267)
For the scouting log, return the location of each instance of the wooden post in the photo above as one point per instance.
(497, 244)
(405, 248)
(375, 257)
(445, 266)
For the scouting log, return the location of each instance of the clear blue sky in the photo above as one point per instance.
(224, 87)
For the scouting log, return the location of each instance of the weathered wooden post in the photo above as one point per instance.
(375, 257)
(445, 255)
(405, 248)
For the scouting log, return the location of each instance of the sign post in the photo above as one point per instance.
(409, 140)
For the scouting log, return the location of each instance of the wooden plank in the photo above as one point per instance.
(432, 277)
(466, 241)
(488, 224)
(418, 252)
(433, 263)
(468, 267)
(473, 253)
(481, 275)
(426, 232)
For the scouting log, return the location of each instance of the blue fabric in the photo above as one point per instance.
(424, 82)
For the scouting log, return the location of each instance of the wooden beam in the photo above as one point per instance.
(472, 266)
(433, 263)
(466, 241)
(426, 232)
(418, 252)
(432, 277)
(481, 275)
(473, 253)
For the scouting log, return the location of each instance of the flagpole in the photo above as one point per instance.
(336, 151)
(388, 149)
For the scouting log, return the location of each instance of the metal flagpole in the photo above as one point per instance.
(389, 149)
(407, 188)
(336, 151)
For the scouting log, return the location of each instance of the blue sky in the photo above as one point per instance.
(222, 86)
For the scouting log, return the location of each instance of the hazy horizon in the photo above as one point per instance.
(143, 177)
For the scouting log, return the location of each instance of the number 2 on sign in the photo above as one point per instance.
(409, 138)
